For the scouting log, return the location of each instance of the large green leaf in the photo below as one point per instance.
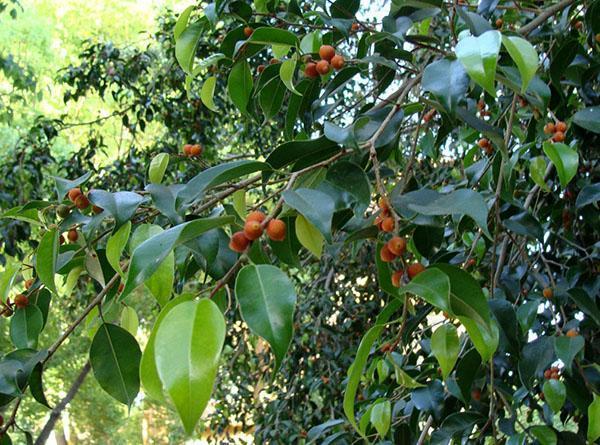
(433, 286)
(211, 251)
(187, 348)
(25, 327)
(45, 259)
(158, 167)
(239, 85)
(479, 55)
(115, 245)
(148, 373)
(588, 195)
(286, 72)
(186, 44)
(564, 158)
(593, 432)
(115, 359)
(269, 36)
(447, 80)
(555, 394)
(381, 415)
(148, 256)
(293, 151)
(309, 236)
(316, 206)
(182, 21)
(271, 97)
(64, 185)
(445, 347)
(588, 118)
(207, 93)
(120, 205)
(525, 57)
(567, 348)
(267, 299)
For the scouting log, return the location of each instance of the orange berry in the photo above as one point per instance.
(548, 293)
(82, 202)
(559, 136)
(97, 209)
(397, 245)
(274, 61)
(548, 374)
(476, 394)
(74, 194)
(561, 126)
(377, 221)
(248, 31)
(196, 150)
(239, 242)
(386, 255)
(337, 62)
(256, 215)
(323, 67)
(397, 278)
(121, 287)
(483, 142)
(260, 68)
(597, 38)
(387, 225)
(355, 27)
(276, 230)
(549, 128)
(499, 23)
(72, 235)
(326, 52)
(29, 283)
(253, 230)
(187, 149)
(383, 204)
(415, 269)
(572, 333)
(555, 375)
(310, 70)
(21, 301)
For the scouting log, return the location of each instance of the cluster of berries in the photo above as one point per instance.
(192, 150)
(80, 200)
(557, 130)
(552, 373)
(253, 229)
(384, 220)
(328, 60)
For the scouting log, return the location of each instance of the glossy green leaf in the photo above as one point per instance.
(182, 21)
(186, 45)
(239, 85)
(316, 206)
(148, 256)
(433, 286)
(269, 36)
(148, 373)
(115, 246)
(555, 394)
(7, 278)
(286, 72)
(564, 158)
(311, 42)
(301, 150)
(25, 327)
(447, 80)
(45, 259)
(158, 167)
(267, 300)
(190, 335)
(479, 56)
(593, 432)
(545, 435)
(381, 416)
(537, 170)
(525, 57)
(239, 203)
(566, 348)
(129, 320)
(115, 359)
(207, 93)
(588, 118)
(271, 97)
(120, 205)
(211, 251)
(64, 185)
(588, 195)
(309, 236)
(445, 347)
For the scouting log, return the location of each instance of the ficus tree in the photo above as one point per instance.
(449, 149)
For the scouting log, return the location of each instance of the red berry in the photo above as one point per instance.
(239, 242)
(327, 52)
(323, 67)
(276, 230)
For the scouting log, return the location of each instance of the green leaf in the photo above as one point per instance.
(479, 56)
(211, 251)
(433, 286)
(286, 72)
(447, 80)
(115, 245)
(588, 118)
(588, 195)
(187, 349)
(207, 93)
(120, 205)
(311, 42)
(362, 355)
(384, 273)
(567, 348)
(269, 36)
(45, 259)
(7, 278)
(271, 97)
(158, 167)
(186, 44)
(593, 432)
(524, 56)
(309, 236)
(555, 394)
(544, 434)
(148, 373)
(148, 256)
(381, 416)
(267, 299)
(25, 327)
(445, 347)
(306, 150)
(239, 84)
(115, 359)
(564, 158)
(64, 185)
(129, 320)
(537, 170)
(182, 21)
(239, 202)
(316, 206)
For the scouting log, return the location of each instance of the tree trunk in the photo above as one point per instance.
(55, 413)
